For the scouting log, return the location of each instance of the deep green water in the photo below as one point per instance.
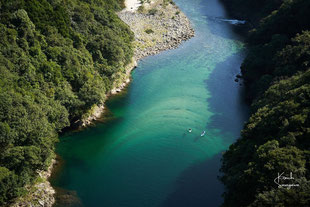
(143, 156)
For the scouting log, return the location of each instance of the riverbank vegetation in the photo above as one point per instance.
(275, 140)
(57, 60)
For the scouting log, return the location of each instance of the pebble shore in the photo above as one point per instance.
(160, 26)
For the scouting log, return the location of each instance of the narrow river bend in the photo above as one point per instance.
(143, 155)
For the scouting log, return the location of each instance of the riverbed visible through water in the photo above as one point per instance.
(142, 155)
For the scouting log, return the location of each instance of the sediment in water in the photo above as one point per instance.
(159, 26)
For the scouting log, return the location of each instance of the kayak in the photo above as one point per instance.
(203, 133)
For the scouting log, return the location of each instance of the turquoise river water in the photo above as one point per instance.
(142, 155)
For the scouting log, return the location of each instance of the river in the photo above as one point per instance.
(142, 154)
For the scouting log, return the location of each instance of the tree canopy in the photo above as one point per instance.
(276, 138)
(57, 59)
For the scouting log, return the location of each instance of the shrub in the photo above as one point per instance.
(152, 11)
(149, 31)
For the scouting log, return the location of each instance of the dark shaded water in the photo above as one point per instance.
(143, 156)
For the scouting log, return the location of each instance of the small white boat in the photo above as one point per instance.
(234, 21)
(203, 133)
(190, 130)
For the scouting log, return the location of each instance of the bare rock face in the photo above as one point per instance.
(95, 113)
(41, 194)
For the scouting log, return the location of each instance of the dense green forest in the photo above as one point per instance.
(57, 59)
(276, 139)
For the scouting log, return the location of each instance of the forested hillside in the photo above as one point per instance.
(57, 59)
(276, 138)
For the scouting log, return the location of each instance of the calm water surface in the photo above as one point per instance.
(143, 156)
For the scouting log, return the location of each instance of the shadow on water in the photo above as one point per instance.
(197, 138)
(194, 183)
(197, 186)
(227, 97)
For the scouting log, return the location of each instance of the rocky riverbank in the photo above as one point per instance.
(158, 25)
(41, 194)
(96, 111)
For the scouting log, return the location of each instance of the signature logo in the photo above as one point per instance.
(285, 182)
